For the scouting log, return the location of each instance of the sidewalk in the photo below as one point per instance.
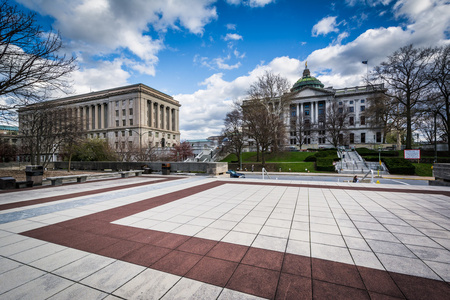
(210, 238)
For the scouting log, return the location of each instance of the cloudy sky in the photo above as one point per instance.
(206, 53)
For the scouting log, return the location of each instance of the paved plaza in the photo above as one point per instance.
(194, 237)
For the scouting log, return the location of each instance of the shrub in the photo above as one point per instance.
(399, 166)
(325, 164)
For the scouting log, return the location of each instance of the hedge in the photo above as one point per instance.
(399, 166)
(370, 152)
(325, 164)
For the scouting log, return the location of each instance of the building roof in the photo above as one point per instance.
(7, 127)
(307, 81)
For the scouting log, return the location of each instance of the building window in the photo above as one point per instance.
(117, 113)
(351, 109)
(117, 123)
(306, 106)
(123, 112)
(352, 121)
(340, 102)
(351, 102)
(306, 112)
(378, 137)
(131, 111)
(130, 133)
(363, 138)
(123, 133)
(156, 134)
(362, 100)
(321, 111)
(363, 107)
(174, 136)
(341, 110)
(131, 122)
(131, 102)
(104, 135)
(352, 138)
(320, 104)
(124, 122)
(363, 120)
(123, 102)
(117, 103)
(116, 134)
(130, 145)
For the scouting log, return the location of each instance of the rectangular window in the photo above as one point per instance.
(156, 134)
(123, 102)
(131, 122)
(320, 104)
(363, 107)
(131, 111)
(306, 106)
(378, 137)
(117, 113)
(116, 134)
(363, 120)
(117, 103)
(340, 102)
(352, 121)
(352, 138)
(123, 112)
(351, 102)
(362, 100)
(117, 123)
(130, 133)
(124, 122)
(306, 112)
(321, 111)
(131, 102)
(351, 109)
(363, 138)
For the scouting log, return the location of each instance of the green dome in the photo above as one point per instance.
(307, 80)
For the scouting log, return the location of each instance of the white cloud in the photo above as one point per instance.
(104, 28)
(325, 26)
(231, 26)
(233, 37)
(251, 3)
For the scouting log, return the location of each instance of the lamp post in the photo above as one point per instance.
(379, 160)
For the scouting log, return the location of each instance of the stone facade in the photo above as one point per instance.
(130, 116)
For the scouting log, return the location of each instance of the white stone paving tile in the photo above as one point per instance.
(442, 269)
(275, 231)
(406, 265)
(8, 264)
(327, 239)
(222, 224)
(79, 291)
(431, 254)
(390, 248)
(38, 252)
(59, 259)
(417, 240)
(270, 243)
(17, 277)
(165, 226)
(332, 253)
(247, 227)
(151, 283)
(187, 229)
(356, 243)
(83, 267)
(298, 247)
(366, 259)
(191, 289)
(212, 233)
(21, 245)
(39, 288)
(240, 238)
(299, 235)
(112, 276)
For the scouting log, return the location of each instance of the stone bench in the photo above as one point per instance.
(125, 174)
(59, 180)
(24, 184)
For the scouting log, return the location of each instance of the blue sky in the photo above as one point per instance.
(207, 53)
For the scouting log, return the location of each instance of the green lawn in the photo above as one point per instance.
(279, 157)
(423, 169)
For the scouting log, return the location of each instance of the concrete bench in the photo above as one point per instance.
(24, 184)
(59, 180)
(125, 174)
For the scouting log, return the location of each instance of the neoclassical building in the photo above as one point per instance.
(310, 103)
(134, 116)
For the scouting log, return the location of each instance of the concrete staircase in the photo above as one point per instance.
(352, 163)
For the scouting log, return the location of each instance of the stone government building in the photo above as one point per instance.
(130, 116)
(310, 101)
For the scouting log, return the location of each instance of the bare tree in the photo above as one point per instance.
(182, 151)
(30, 66)
(45, 128)
(233, 133)
(263, 112)
(441, 83)
(298, 129)
(336, 124)
(405, 73)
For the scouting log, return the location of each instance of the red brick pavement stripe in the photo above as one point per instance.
(260, 272)
(79, 194)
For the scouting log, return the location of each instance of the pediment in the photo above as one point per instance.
(308, 92)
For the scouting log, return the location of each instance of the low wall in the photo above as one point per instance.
(211, 168)
(441, 175)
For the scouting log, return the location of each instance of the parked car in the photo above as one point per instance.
(234, 174)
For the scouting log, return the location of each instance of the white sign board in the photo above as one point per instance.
(412, 154)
